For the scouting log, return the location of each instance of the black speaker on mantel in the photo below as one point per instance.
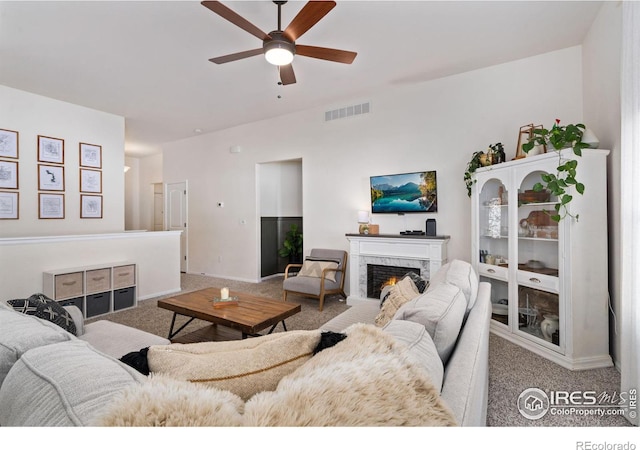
(431, 227)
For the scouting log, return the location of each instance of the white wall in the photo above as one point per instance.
(32, 115)
(601, 68)
(435, 125)
(156, 255)
(279, 190)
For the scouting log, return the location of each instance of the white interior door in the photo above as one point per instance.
(177, 216)
(158, 207)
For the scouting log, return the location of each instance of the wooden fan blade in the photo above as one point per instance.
(236, 56)
(308, 16)
(235, 19)
(329, 54)
(286, 74)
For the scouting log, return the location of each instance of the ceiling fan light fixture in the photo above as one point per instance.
(279, 56)
(278, 50)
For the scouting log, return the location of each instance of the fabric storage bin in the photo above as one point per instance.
(98, 304)
(78, 301)
(68, 285)
(124, 276)
(124, 298)
(98, 280)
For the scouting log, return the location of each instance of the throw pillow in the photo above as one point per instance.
(137, 360)
(313, 268)
(242, 367)
(399, 294)
(461, 274)
(421, 283)
(41, 306)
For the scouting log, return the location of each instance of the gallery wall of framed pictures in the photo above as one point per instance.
(9, 185)
(51, 183)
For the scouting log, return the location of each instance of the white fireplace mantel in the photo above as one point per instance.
(428, 253)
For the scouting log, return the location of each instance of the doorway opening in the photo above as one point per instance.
(176, 218)
(280, 208)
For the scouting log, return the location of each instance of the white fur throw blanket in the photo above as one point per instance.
(365, 380)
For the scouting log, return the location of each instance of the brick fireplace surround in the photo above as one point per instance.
(425, 253)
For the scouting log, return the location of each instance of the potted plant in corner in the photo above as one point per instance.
(559, 184)
(292, 245)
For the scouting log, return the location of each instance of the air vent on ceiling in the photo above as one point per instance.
(347, 111)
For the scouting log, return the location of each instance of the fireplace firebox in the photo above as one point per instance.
(379, 276)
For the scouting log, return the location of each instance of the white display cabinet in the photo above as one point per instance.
(549, 279)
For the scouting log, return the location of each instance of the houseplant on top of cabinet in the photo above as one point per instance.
(495, 155)
(558, 138)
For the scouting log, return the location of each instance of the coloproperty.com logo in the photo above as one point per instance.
(534, 403)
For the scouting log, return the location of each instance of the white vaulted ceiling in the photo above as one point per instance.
(148, 60)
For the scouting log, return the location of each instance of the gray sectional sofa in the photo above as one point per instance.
(49, 377)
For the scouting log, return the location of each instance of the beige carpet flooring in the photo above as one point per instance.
(512, 369)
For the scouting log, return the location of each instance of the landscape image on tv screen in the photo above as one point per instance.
(404, 193)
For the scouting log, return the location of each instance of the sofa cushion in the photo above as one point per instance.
(364, 312)
(441, 311)
(242, 367)
(116, 340)
(313, 267)
(400, 293)
(63, 384)
(421, 348)
(461, 274)
(41, 306)
(20, 332)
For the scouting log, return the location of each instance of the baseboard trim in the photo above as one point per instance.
(159, 294)
(224, 277)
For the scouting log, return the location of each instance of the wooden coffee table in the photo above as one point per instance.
(251, 315)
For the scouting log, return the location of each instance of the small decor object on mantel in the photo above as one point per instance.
(363, 221)
(558, 138)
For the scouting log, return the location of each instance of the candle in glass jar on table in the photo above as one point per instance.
(224, 293)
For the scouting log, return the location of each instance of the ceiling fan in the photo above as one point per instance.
(279, 47)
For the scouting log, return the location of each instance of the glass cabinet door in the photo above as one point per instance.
(539, 312)
(494, 224)
(493, 233)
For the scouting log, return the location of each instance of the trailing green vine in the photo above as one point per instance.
(560, 183)
(494, 155)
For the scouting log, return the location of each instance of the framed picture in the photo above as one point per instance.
(51, 206)
(8, 144)
(50, 150)
(90, 155)
(8, 174)
(50, 178)
(9, 205)
(90, 181)
(90, 206)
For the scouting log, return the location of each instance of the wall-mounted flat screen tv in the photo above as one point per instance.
(404, 193)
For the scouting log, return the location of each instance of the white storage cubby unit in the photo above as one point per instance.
(96, 290)
(549, 279)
